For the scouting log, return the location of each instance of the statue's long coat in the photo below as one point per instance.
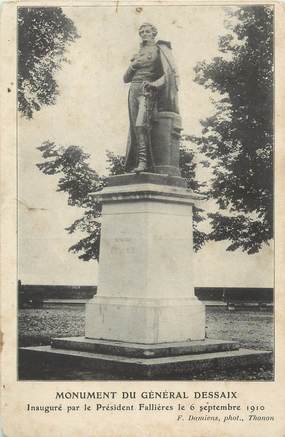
(167, 99)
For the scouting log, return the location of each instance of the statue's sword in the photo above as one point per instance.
(149, 95)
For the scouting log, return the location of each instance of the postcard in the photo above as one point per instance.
(142, 218)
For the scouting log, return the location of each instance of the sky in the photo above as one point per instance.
(91, 111)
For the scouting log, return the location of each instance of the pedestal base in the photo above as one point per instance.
(145, 320)
(134, 361)
(138, 350)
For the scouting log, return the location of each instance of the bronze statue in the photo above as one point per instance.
(155, 124)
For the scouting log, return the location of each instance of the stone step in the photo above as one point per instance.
(143, 350)
(158, 368)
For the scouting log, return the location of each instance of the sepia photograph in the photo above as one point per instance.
(145, 188)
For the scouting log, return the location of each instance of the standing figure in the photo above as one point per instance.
(153, 89)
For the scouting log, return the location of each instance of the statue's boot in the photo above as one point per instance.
(142, 152)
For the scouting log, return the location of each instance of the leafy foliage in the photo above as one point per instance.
(115, 163)
(79, 181)
(43, 37)
(188, 166)
(238, 138)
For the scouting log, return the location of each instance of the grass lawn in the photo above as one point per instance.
(252, 329)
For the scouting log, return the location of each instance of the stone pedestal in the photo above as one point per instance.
(145, 288)
(145, 321)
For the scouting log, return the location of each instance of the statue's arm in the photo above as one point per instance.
(158, 83)
(129, 74)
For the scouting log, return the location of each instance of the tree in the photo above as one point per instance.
(188, 167)
(43, 37)
(79, 181)
(238, 138)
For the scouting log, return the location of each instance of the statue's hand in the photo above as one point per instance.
(148, 85)
(136, 64)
